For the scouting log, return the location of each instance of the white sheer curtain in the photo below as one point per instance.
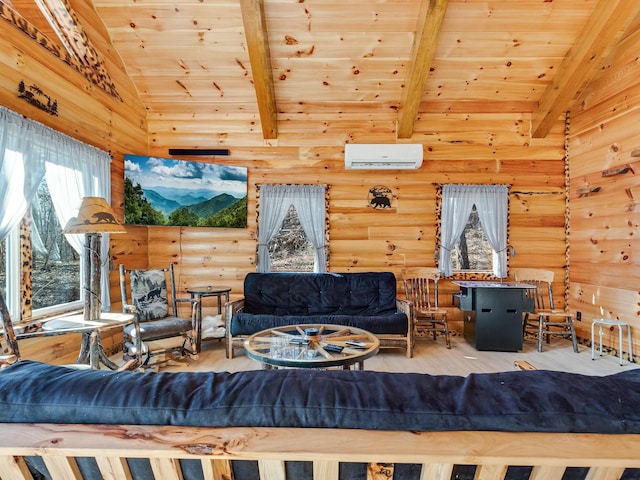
(73, 170)
(457, 202)
(78, 171)
(273, 208)
(491, 204)
(21, 167)
(309, 203)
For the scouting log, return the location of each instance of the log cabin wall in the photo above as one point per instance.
(470, 146)
(112, 121)
(458, 149)
(604, 225)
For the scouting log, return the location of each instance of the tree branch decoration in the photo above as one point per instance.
(89, 64)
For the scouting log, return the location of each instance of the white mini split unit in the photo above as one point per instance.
(371, 156)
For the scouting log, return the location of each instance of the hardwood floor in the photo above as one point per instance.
(434, 358)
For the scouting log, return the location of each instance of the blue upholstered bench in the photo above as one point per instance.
(252, 422)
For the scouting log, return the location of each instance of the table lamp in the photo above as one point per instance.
(94, 218)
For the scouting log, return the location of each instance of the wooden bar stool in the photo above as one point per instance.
(614, 323)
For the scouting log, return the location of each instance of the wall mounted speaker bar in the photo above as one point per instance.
(193, 152)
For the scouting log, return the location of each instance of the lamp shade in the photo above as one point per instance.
(94, 216)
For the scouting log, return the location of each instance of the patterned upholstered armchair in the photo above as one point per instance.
(145, 293)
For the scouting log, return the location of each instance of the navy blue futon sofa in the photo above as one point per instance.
(363, 300)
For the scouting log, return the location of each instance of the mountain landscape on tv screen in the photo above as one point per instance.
(180, 199)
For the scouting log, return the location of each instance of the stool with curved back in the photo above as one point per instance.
(421, 289)
(545, 320)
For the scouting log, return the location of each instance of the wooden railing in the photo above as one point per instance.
(437, 454)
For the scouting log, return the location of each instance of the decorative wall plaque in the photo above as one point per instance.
(380, 197)
(36, 97)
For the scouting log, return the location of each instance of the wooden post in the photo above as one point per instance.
(96, 288)
(9, 334)
(87, 276)
(92, 287)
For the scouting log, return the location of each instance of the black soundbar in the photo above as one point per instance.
(194, 152)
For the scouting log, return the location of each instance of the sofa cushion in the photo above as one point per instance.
(390, 323)
(529, 401)
(164, 328)
(288, 293)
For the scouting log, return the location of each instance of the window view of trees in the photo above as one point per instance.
(55, 276)
(473, 251)
(56, 265)
(290, 250)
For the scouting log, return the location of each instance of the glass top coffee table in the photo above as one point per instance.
(312, 346)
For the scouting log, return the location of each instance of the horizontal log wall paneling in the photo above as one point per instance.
(85, 112)
(477, 145)
(366, 239)
(605, 217)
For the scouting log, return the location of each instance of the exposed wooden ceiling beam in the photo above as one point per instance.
(256, 34)
(424, 47)
(603, 30)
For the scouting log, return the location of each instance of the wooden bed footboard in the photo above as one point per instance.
(215, 451)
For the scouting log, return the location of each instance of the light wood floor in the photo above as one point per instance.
(434, 358)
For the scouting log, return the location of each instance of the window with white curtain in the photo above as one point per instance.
(472, 237)
(290, 249)
(43, 176)
(292, 232)
(55, 268)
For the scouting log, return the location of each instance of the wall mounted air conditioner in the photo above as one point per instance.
(382, 156)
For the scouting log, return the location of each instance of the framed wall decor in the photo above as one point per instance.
(163, 191)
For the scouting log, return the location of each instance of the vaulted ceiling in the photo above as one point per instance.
(268, 70)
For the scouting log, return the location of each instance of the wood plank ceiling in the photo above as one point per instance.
(287, 71)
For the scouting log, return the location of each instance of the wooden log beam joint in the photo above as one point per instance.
(617, 171)
(586, 191)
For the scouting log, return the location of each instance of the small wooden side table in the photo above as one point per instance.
(91, 349)
(206, 291)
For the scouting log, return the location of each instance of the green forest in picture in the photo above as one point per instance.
(161, 191)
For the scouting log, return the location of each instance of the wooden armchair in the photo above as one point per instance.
(421, 289)
(546, 320)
